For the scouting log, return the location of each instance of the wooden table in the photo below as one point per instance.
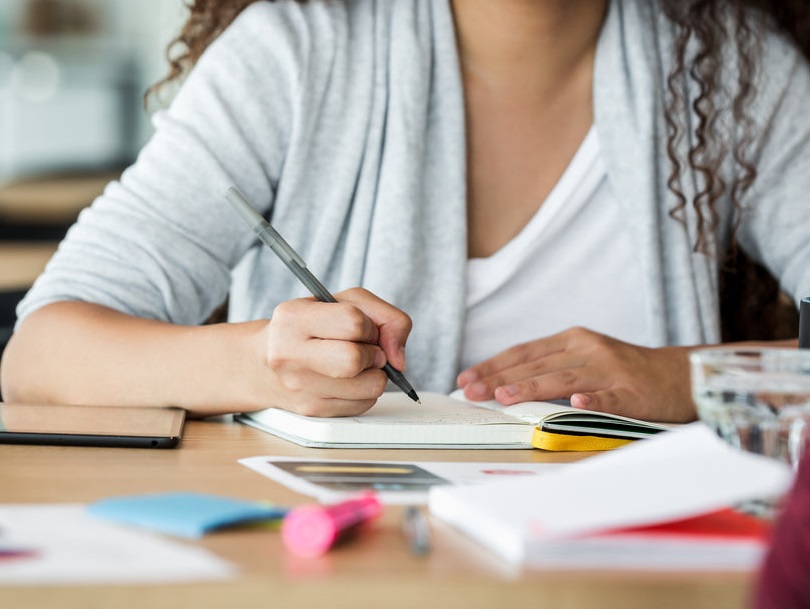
(38, 207)
(374, 570)
(21, 263)
(51, 199)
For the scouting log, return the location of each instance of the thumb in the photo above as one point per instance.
(600, 401)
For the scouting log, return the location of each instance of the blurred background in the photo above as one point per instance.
(72, 78)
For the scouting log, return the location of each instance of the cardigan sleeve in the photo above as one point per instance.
(161, 242)
(775, 226)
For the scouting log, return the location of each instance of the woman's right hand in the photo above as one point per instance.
(325, 359)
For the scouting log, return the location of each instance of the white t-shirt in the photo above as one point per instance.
(573, 264)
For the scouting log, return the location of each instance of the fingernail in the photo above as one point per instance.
(581, 400)
(510, 390)
(401, 357)
(379, 359)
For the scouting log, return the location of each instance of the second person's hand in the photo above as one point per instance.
(594, 371)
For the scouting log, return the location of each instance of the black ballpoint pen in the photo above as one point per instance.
(296, 264)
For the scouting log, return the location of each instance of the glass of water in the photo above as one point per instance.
(756, 399)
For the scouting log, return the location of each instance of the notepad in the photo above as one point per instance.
(659, 504)
(190, 515)
(443, 421)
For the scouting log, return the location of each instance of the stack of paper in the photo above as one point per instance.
(591, 514)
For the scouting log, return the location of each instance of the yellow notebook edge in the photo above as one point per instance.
(566, 442)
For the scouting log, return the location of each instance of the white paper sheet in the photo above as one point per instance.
(74, 548)
(447, 473)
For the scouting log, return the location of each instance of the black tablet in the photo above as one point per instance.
(125, 426)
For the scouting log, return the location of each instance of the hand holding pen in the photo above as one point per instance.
(351, 359)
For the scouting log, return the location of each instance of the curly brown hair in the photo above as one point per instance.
(752, 305)
(704, 28)
(710, 24)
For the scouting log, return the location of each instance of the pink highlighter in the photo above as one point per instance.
(311, 530)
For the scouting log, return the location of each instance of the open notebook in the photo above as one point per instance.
(443, 421)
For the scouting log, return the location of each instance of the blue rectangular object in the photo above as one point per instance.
(189, 515)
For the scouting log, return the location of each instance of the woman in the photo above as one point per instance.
(508, 173)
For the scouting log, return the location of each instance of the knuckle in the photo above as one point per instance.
(530, 386)
(355, 292)
(356, 322)
(356, 296)
(520, 351)
(349, 362)
(538, 366)
(285, 310)
(602, 343)
(579, 332)
(568, 378)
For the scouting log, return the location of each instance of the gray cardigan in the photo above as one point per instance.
(344, 122)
